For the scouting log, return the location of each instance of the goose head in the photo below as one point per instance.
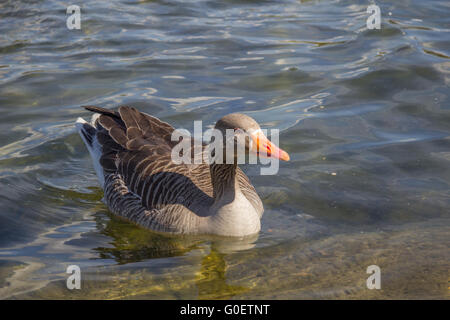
(246, 133)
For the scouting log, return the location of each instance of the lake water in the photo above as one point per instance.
(364, 115)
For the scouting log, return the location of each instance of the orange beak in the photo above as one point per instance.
(265, 147)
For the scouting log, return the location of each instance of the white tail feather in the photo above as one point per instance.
(95, 149)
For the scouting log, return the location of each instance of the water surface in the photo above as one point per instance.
(364, 115)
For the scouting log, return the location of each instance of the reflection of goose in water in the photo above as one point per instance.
(133, 244)
(211, 280)
(132, 157)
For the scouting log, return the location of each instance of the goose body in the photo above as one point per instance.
(131, 152)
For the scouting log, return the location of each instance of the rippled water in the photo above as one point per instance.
(364, 115)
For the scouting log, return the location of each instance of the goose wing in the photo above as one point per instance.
(138, 147)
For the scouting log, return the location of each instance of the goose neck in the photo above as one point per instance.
(225, 186)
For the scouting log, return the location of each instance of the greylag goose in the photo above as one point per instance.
(131, 152)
